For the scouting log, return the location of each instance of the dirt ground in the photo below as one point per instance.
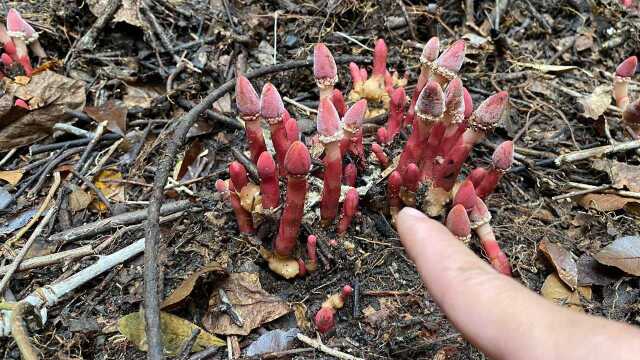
(547, 54)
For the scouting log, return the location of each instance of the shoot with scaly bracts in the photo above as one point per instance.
(273, 112)
(330, 131)
(352, 126)
(427, 59)
(349, 210)
(393, 194)
(248, 104)
(501, 162)
(18, 30)
(312, 253)
(449, 63)
(480, 217)
(350, 175)
(396, 112)
(291, 128)
(624, 72)
(338, 101)
(459, 224)
(7, 44)
(269, 189)
(324, 70)
(378, 151)
(411, 182)
(466, 196)
(243, 217)
(324, 319)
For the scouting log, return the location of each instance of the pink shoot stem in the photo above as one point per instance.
(501, 162)
(393, 193)
(269, 189)
(349, 210)
(352, 120)
(243, 217)
(427, 59)
(350, 175)
(312, 253)
(324, 318)
(459, 224)
(331, 134)
(273, 112)
(378, 151)
(7, 43)
(248, 104)
(17, 28)
(480, 218)
(338, 101)
(396, 112)
(297, 166)
(623, 75)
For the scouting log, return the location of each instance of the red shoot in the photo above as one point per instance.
(269, 188)
(238, 175)
(248, 104)
(329, 128)
(380, 155)
(338, 101)
(380, 58)
(396, 112)
(502, 160)
(480, 217)
(349, 210)
(273, 112)
(458, 223)
(350, 175)
(324, 70)
(243, 217)
(312, 253)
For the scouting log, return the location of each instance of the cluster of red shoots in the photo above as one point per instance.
(17, 37)
(443, 129)
(630, 109)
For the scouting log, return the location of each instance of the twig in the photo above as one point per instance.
(204, 353)
(8, 156)
(279, 354)
(20, 333)
(595, 152)
(166, 163)
(114, 222)
(581, 192)
(325, 349)
(42, 175)
(97, 191)
(81, 165)
(39, 149)
(46, 260)
(407, 18)
(70, 129)
(25, 249)
(185, 348)
(305, 108)
(88, 41)
(625, 193)
(246, 162)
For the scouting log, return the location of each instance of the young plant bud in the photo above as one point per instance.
(291, 129)
(349, 210)
(350, 175)
(221, 186)
(238, 175)
(489, 113)
(324, 319)
(269, 188)
(430, 52)
(273, 112)
(22, 104)
(330, 131)
(352, 119)
(248, 104)
(459, 224)
(380, 155)
(382, 136)
(412, 178)
(17, 29)
(7, 43)
(297, 164)
(624, 72)
(450, 62)
(477, 175)
(466, 195)
(324, 70)
(7, 61)
(393, 193)
(468, 103)
(243, 217)
(380, 58)
(480, 217)
(312, 253)
(338, 101)
(502, 160)
(396, 112)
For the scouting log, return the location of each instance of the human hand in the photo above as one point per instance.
(499, 316)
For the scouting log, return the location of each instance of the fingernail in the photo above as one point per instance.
(411, 213)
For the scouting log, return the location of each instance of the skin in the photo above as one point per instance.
(497, 314)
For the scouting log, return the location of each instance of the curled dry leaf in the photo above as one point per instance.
(555, 290)
(254, 305)
(48, 94)
(211, 271)
(596, 103)
(622, 175)
(78, 198)
(562, 261)
(623, 253)
(175, 331)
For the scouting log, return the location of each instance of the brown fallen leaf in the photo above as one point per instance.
(141, 96)
(591, 272)
(112, 190)
(605, 202)
(622, 175)
(175, 331)
(254, 305)
(190, 156)
(623, 253)
(555, 290)
(12, 176)
(562, 261)
(128, 12)
(597, 102)
(212, 270)
(300, 312)
(49, 95)
(113, 112)
(78, 198)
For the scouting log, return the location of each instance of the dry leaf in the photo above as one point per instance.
(300, 312)
(622, 175)
(555, 290)
(605, 202)
(597, 103)
(175, 331)
(113, 112)
(254, 305)
(272, 341)
(583, 42)
(591, 272)
(250, 197)
(78, 198)
(562, 261)
(212, 269)
(107, 182)
(545, 67)
(623, 253)
(190, 156)
(141, 96)
(11, 176)
(128, 12)
(49, 95)
(223, 105)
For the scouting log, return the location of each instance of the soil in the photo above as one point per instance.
(395, 317)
